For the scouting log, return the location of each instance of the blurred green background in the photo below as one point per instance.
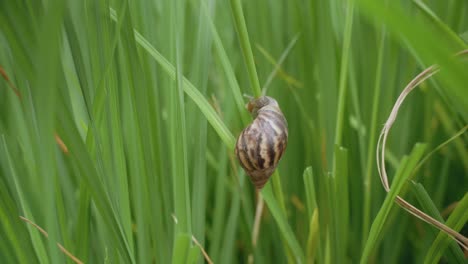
(118, 120)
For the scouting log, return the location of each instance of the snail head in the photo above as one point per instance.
(256, 104)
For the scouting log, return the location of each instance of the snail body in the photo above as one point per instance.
(261, 145)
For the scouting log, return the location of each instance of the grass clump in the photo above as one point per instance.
(118, 121)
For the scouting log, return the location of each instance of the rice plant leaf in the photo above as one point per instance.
(455, 254)
(180, 254)
(243, 36)
(228, 70)
(412, 31)
(313, 237)
(210, 114)
(437, 22)
(340, 214)
(456, 220)
(407, 164)
(283, 224)
(311, 202)
(91, 179)
(38, 244)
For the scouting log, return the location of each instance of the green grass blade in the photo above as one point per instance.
(283, 224)
(455, 253)
(229, 72)
(340, 193)
(456, 221)
(444, 28)
(91, 179)
(243, 36)
(37, 242)
(311, 201)
(404, 171)
(177, 130)
(313, 237)
(346, 53)
(441, 50)
(181, 248)
(210, 114)
(372, 140)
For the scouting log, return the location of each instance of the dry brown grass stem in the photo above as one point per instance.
(205, 255)
(66, 252)
(380, 154)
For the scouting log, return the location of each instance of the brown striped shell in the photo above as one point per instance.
(261, 144)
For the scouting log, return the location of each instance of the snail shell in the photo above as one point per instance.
(261, 145)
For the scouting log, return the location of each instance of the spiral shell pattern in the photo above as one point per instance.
(261, 145)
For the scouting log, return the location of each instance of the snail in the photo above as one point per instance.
(261, 145)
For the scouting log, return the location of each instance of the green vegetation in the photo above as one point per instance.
(118, 121)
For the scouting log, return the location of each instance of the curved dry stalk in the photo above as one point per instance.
(380, 155)
(381, 143)
(66, 252)
(462, 240)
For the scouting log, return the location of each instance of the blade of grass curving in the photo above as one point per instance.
(435, 20)
(457, 220)
(283, 224)
(455, 254)
(413, 33)
(381, 145)
(228, 70)
(407, 164)
(79, 154)
(210, 114)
